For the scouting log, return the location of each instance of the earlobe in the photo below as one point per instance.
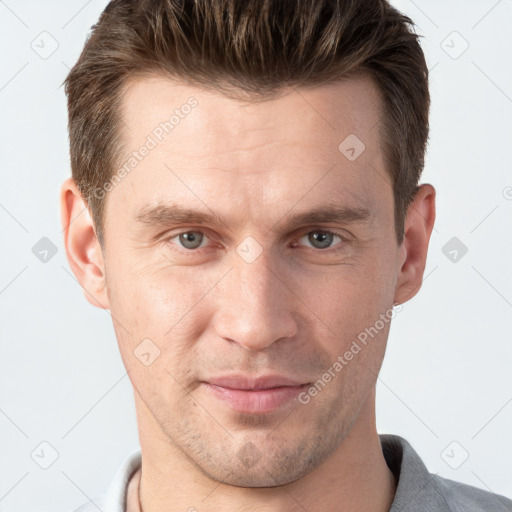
(412, 255)
(82, 247)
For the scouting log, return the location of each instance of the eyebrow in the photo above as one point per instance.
(165, 214)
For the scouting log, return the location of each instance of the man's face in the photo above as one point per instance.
(254, 295)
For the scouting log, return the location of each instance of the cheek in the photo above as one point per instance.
(352, 297)
(355, 303)
(157, 304)
(152, 326)
(150, 294)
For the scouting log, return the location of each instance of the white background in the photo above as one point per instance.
(447, 372)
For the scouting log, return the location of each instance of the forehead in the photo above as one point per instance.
(329, 112)
(317, 141)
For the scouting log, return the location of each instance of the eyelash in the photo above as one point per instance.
(344, 240)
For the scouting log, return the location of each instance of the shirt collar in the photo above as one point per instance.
(416, 489)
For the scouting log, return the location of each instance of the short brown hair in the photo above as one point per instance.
(257, 47)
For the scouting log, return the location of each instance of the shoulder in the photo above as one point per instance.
(115, 497)
(466, 498)
(92, 506)
(419, 490)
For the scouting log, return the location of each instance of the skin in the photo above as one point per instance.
(292, 311)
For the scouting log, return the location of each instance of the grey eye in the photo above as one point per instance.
(320, 239)
(191, 239)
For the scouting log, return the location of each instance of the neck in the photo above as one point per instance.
(355, 478)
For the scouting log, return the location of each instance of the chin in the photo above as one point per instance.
(258, 477)
(265, 462)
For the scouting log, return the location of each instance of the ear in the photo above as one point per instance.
(82, 247)
(419, 223)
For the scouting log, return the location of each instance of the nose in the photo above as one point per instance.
(255, 304)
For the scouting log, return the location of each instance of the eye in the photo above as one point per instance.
(321, 239)
(318, 239)
(189, 239)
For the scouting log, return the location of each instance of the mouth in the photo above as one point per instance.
(254, 395)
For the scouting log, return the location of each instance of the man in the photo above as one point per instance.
(245, 202)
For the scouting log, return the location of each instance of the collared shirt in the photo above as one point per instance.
(417, 489)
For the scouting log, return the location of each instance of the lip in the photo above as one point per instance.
(253, 383)
(254, 395)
